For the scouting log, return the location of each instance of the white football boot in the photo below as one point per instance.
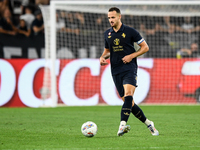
(153, 129)
(123, 129)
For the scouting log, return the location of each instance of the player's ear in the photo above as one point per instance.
(120, 16)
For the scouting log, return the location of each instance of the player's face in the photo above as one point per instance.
(114, 18)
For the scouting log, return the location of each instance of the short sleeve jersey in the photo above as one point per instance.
(37, 23)
(120, 44)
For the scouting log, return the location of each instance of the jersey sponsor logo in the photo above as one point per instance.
(116, 41)
(109, 36)
(123, 35)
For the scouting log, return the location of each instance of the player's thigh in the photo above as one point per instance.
(118, 81)
(129, 90)
(130, 83)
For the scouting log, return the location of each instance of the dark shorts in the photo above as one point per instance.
(128, 77)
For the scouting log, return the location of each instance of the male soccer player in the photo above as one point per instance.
(119, 47)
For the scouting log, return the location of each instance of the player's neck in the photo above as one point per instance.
(117, 27)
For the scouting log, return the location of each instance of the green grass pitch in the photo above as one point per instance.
(60, 128)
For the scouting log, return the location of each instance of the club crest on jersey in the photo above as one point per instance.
(116, 41)
(109, 35)
(123, 35)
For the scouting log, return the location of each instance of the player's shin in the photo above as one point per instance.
(138, 113)
(126, 108)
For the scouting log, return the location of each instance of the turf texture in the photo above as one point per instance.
(60, 128)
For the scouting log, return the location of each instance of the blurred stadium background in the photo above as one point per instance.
(168, 74)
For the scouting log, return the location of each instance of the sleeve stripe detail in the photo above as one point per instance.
(140, 41)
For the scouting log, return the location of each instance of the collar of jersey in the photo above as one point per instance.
(121, 29)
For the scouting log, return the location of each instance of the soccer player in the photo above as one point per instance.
(119, 47)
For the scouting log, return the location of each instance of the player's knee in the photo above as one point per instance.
(122, 98)
(128, 94)
(133, 103)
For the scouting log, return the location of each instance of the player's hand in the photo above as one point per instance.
(127, 59)
(103, 61)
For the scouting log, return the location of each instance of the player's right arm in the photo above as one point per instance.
(104, 56)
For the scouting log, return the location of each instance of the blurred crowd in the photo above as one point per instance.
(21, 17)
(166, 36)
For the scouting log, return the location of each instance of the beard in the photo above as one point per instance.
(113, 24)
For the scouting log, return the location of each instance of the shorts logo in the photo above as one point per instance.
(116, 41)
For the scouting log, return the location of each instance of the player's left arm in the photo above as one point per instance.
(104, 56)
(143, 49)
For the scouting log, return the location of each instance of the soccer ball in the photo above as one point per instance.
(89, 129)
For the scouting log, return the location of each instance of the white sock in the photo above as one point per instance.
(147, 122)
(122, 123)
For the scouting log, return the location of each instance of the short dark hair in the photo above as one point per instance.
(114, 9)
(37, 12)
